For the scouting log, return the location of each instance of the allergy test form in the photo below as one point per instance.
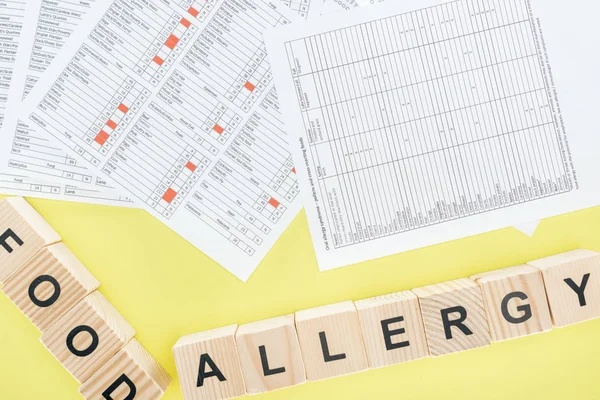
(410, 128)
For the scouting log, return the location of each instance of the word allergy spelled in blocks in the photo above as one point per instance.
(572, 281)
(132, 373)
(454, 316)
(49, 285)
(23, 232)
(87, 336)
(270, 354)
(515, 302)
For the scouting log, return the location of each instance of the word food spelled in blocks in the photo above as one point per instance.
(79, 326)
(349, 337)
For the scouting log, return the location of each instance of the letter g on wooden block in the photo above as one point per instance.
(454, 316)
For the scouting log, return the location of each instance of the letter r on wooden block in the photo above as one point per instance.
(572, 281)
(132, 373)
(515, 302)
(23, 232)
(87, 336)
(208, 365)
(49, 285)
(392, 329)
(454, 316)
(270, 354)
(331, 341)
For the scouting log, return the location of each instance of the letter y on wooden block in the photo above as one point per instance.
(572, 281)
(331, 341)
(23, 232)
(208, 365)
(454, 316)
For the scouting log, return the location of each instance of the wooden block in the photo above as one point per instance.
(49, 285)
(23, 232)
(454, 316)
(87, 336)
(572, 281)
(208, 365)
(132, 373)
(392, 329)
(331, 341)
(515, 302)
(270, 354)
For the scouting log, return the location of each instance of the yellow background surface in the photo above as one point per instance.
(166, 289)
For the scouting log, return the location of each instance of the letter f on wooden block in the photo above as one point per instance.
(23, 232)
(454, 316)
(208, 365)
(331, 341)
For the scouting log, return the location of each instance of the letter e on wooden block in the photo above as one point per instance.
(454, 316)
(572, 281)
(392, 329)
(208, 365)
(132, 373)
(23, 232)
(87, 336)
(515, 302)
(270, 354)
(49, 285)
(331, 341)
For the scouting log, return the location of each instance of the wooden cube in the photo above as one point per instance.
(392, 329)
(270, 354)
(515, 302)
(87, 336)
(49, 285)
(572, 281)
(331, 341)
(454, 316)
(131, 373)
(23, 232)
(208, 365)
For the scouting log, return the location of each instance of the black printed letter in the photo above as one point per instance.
(579, 289)
(214, 370)
(387, 333)
(325, 348)
(456, 322)
(123, 379)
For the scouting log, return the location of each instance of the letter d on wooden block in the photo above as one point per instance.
(572, 281)
(87, 336)
(23, 232)
(131, 374)
(331, 341)
(454, 316)
(208, 365)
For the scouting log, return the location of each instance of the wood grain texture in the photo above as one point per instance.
(579, 269)
(219, 345)
(141, 369)
(95, 312)
(280, 348)
(407, 340)
(50, 302)
(31, 234)
(340, 326)
(519, 292)
(447, 296)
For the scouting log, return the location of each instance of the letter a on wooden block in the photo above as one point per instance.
(49, 285)
(515, 302)
(208, 365)
(331, 341)
(132, 373)
(454, 316)
(87, 336)
(23, 232)
(572, 281)
(270, 354)
(392, 329)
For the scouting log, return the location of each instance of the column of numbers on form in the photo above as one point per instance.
(198, 9)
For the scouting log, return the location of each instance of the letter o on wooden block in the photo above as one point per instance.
(454, 316)
(87, 336)
(49, 285)
(132, 373)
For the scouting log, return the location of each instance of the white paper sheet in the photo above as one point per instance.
(410, 129)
